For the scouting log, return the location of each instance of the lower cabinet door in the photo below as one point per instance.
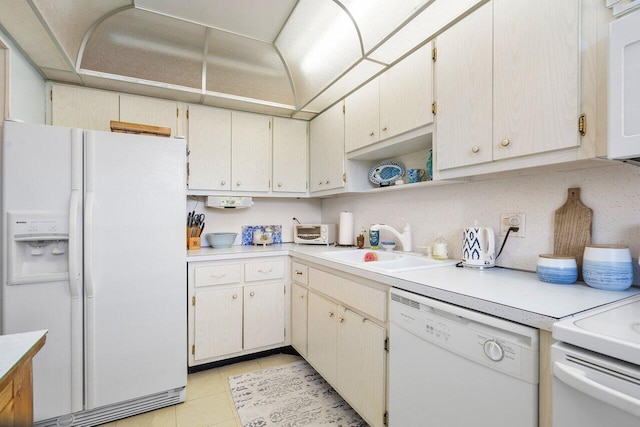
(361, 365)
(218, 322)
(263, 315)
(321, 346)
(299, 296)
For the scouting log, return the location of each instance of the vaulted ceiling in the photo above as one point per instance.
(284, 57)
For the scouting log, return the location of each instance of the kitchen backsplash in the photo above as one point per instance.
(613, 192)
(263, 212)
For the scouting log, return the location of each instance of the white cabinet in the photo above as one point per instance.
(209, 148)
(250, 152)
(346, 340)
(236, 307)
(514, 66)
(94, 109)
(83, 108)
(263, 315)
(326, 151)
(290, 155)
(406, 94)
(299, 307)
(362, 117)
(150, 111)
(394, 103)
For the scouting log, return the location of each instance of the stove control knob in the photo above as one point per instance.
(493, 351)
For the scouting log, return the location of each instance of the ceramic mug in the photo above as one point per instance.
(415, 175)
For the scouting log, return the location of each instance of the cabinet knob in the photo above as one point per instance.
(279, 184)
(505, 142)
(238, 183)
(251, 293)
(301, 296)
(384, 129)
(331, 314)
(475, 149)
(341, 319)
(371, 133)
(320, 183)
(223, 182)
(327, 182)
(235, 296)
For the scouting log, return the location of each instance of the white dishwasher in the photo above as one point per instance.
(452, 367)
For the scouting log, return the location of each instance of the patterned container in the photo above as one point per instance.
(607, 267)
(558, 269)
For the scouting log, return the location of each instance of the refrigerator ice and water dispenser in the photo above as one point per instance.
(38, 247)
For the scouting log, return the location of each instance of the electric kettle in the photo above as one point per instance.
(478, 247)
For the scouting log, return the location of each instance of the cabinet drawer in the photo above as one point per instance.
(300, 273)
(217, 275)
(367, 299)
(265, 270)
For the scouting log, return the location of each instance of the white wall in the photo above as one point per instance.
(263, 212)
(613, 192)
(26, 87)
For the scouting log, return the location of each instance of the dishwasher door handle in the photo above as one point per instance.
(577, 379)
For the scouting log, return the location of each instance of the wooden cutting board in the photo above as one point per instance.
(572, 228)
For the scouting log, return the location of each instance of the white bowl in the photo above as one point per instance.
(607, 267)
(221, 240)
(558, 269)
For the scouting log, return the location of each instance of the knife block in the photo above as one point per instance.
(192, 242)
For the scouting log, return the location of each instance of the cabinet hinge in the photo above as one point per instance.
(434, 108)
(386, 344)
(269, 124)
(385, 418)
(51, 95)
(193, 300)
(344, 177)
(177, 112)
(193, 349)
(582, 124)
(187, 114)
(343, 109)
(434, 54)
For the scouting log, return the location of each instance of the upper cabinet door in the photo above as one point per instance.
(326, 150)
(250, 152)
(536, 76)
(406, 94)
(290, 155)
(209, 148)
(362, 117)
(149, 111)
(464, 88)
(83, 108)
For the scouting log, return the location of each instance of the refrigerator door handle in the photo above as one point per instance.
(74, 275)
(88, 245)
(578, 380)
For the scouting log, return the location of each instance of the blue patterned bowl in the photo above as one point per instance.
(557, 269)
(607, 267)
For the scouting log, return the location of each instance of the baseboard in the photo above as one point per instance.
(280, 350)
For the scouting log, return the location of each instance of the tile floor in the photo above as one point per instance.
(208, 402)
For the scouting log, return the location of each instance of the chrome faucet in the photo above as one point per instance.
(404, 237)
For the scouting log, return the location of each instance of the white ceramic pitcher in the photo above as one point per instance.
(478, 247)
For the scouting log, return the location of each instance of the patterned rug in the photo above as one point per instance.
(289, 396)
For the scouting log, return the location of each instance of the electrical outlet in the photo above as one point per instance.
(512, 220)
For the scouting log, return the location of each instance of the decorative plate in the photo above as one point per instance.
(386, 172)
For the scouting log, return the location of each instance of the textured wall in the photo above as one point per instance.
(613, 192)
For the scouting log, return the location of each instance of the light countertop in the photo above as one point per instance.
(510, 294)
(13, 347)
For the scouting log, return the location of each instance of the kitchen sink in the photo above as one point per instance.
(388, 262)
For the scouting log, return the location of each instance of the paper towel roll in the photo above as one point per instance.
(346, 229)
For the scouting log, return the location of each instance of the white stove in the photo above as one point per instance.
(596, 367)
(613, 330)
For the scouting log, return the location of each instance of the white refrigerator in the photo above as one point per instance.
(93, 250)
